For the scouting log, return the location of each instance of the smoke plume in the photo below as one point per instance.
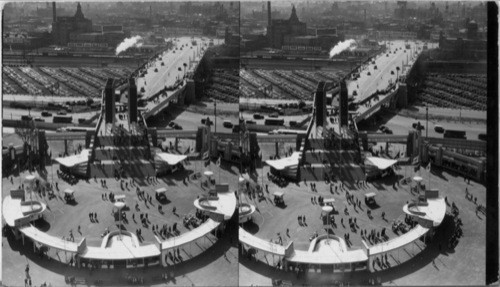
(342, 46)
(127, 43)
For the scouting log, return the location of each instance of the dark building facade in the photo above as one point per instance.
(64, 27)
(277, 30)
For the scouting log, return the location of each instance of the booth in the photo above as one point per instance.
(161, 194)
(370, 198)
(329, 202)
(278, 198)
(120, 198)
(69, 195)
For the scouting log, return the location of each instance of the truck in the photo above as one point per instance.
(274, 122)
(62, 119)
(456, 134)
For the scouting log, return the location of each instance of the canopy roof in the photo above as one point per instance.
(281, 164)
(161, 190)
(329, 200)
(370, 194)
(278, 193)
(380, 163)
(171, 159)
(69, 191)
(72, 160)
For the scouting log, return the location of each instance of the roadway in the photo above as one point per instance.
(15, 114)
(173, 59)
(380, 78)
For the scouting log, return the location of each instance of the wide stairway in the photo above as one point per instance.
(128, 156)
(320, 160)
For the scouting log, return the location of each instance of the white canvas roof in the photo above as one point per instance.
(72, 160)
(69, 191)
(381, 163)
(281, 164)
(171, 159)
(161, 190)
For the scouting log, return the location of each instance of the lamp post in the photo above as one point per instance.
(426, 121)
(215, 115)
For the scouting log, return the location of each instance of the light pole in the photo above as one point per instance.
(426, 121)
(215, 115)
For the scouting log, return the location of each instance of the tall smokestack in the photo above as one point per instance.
(269, 13)
(54, 16)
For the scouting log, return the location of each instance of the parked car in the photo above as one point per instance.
(62, 113)
(227, 124)
(39, 120)
(438, 129)
(46, 114)
(258, 116)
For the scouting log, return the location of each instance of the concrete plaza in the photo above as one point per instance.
(417, 263)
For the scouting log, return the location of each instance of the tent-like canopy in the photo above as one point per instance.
(72, 160)
(281, 164)
(69, 191)
(380, 163)
(171, 159)
(161, 190)
(278, 193)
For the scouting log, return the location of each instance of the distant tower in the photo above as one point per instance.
(54, 15)
(268, 13)
(79, 13)
(293, 17)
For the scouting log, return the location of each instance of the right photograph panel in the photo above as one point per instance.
(363, 125)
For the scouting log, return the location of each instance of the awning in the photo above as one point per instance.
(171, 159)
(278, 193)
(71, 161)
(329, 200)
(370, 195)
(120, 197)
(69, 191)
(380, 163)
(327, 208)
(208, 173)
(281, 164)
(161, 190)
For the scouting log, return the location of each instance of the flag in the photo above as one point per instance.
(218, 161)
(206, 155)
(428, 167)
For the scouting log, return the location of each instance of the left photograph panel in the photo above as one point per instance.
(120, 143)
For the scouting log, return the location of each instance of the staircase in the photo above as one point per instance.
(129, 154)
